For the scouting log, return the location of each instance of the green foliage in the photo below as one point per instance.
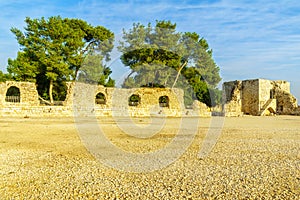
(151, 66)
(110, 83)
(216, 97)
(54, 49)
(21, 68)
(163, 99)
(134, 98)
(129, 82)
(4, 77)
(59, 88)
(95, 72)
(161, 56)
(153, 85)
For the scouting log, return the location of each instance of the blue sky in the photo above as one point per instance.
(250, 39)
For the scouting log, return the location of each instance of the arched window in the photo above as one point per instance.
(100, 98)
(163, 101)
(13, 95)
(134, 100)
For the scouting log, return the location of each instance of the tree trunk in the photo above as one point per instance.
(178, 73)
(50, 92)
(43, 100)
(76, 73)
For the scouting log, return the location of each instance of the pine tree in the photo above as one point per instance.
(53, 51)
(161, 56)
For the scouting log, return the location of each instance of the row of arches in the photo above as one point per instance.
(133, 100)
(13, 95)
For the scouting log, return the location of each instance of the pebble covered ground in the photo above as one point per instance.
(254, 158)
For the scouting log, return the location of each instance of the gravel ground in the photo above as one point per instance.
(254, 158)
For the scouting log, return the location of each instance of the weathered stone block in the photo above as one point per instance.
(258, 97)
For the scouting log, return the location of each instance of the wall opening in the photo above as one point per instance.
(272, 94)
(134, 100)
(13, 95)
(59, 92)
(280, 108)
(163, 101)
(100, 98)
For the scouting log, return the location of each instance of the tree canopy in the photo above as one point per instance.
(93, 71)
(4, 77)
(161, 56)
(53, 51)
(56, 50)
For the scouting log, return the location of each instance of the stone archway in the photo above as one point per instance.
(13, 95)
(163, 101)
(21, 93)
(100, 98)
(134, 100)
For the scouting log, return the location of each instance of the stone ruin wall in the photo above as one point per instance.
(232, 98)
(258, 97)
(81, 98)
(250, 97)
(286, 102)
(253, 97)
(267, 103)
(80, 101)
(28, 93)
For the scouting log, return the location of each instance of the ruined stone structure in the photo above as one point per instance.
(250, 97)
(120, 102)
(21, 99)
(28, 95)
(258, 97)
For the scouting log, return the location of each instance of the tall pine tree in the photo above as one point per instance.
(53, 51)
(161, 56)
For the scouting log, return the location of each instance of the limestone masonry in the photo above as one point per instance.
(251, 97)
(96, 100)
(258, 97)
